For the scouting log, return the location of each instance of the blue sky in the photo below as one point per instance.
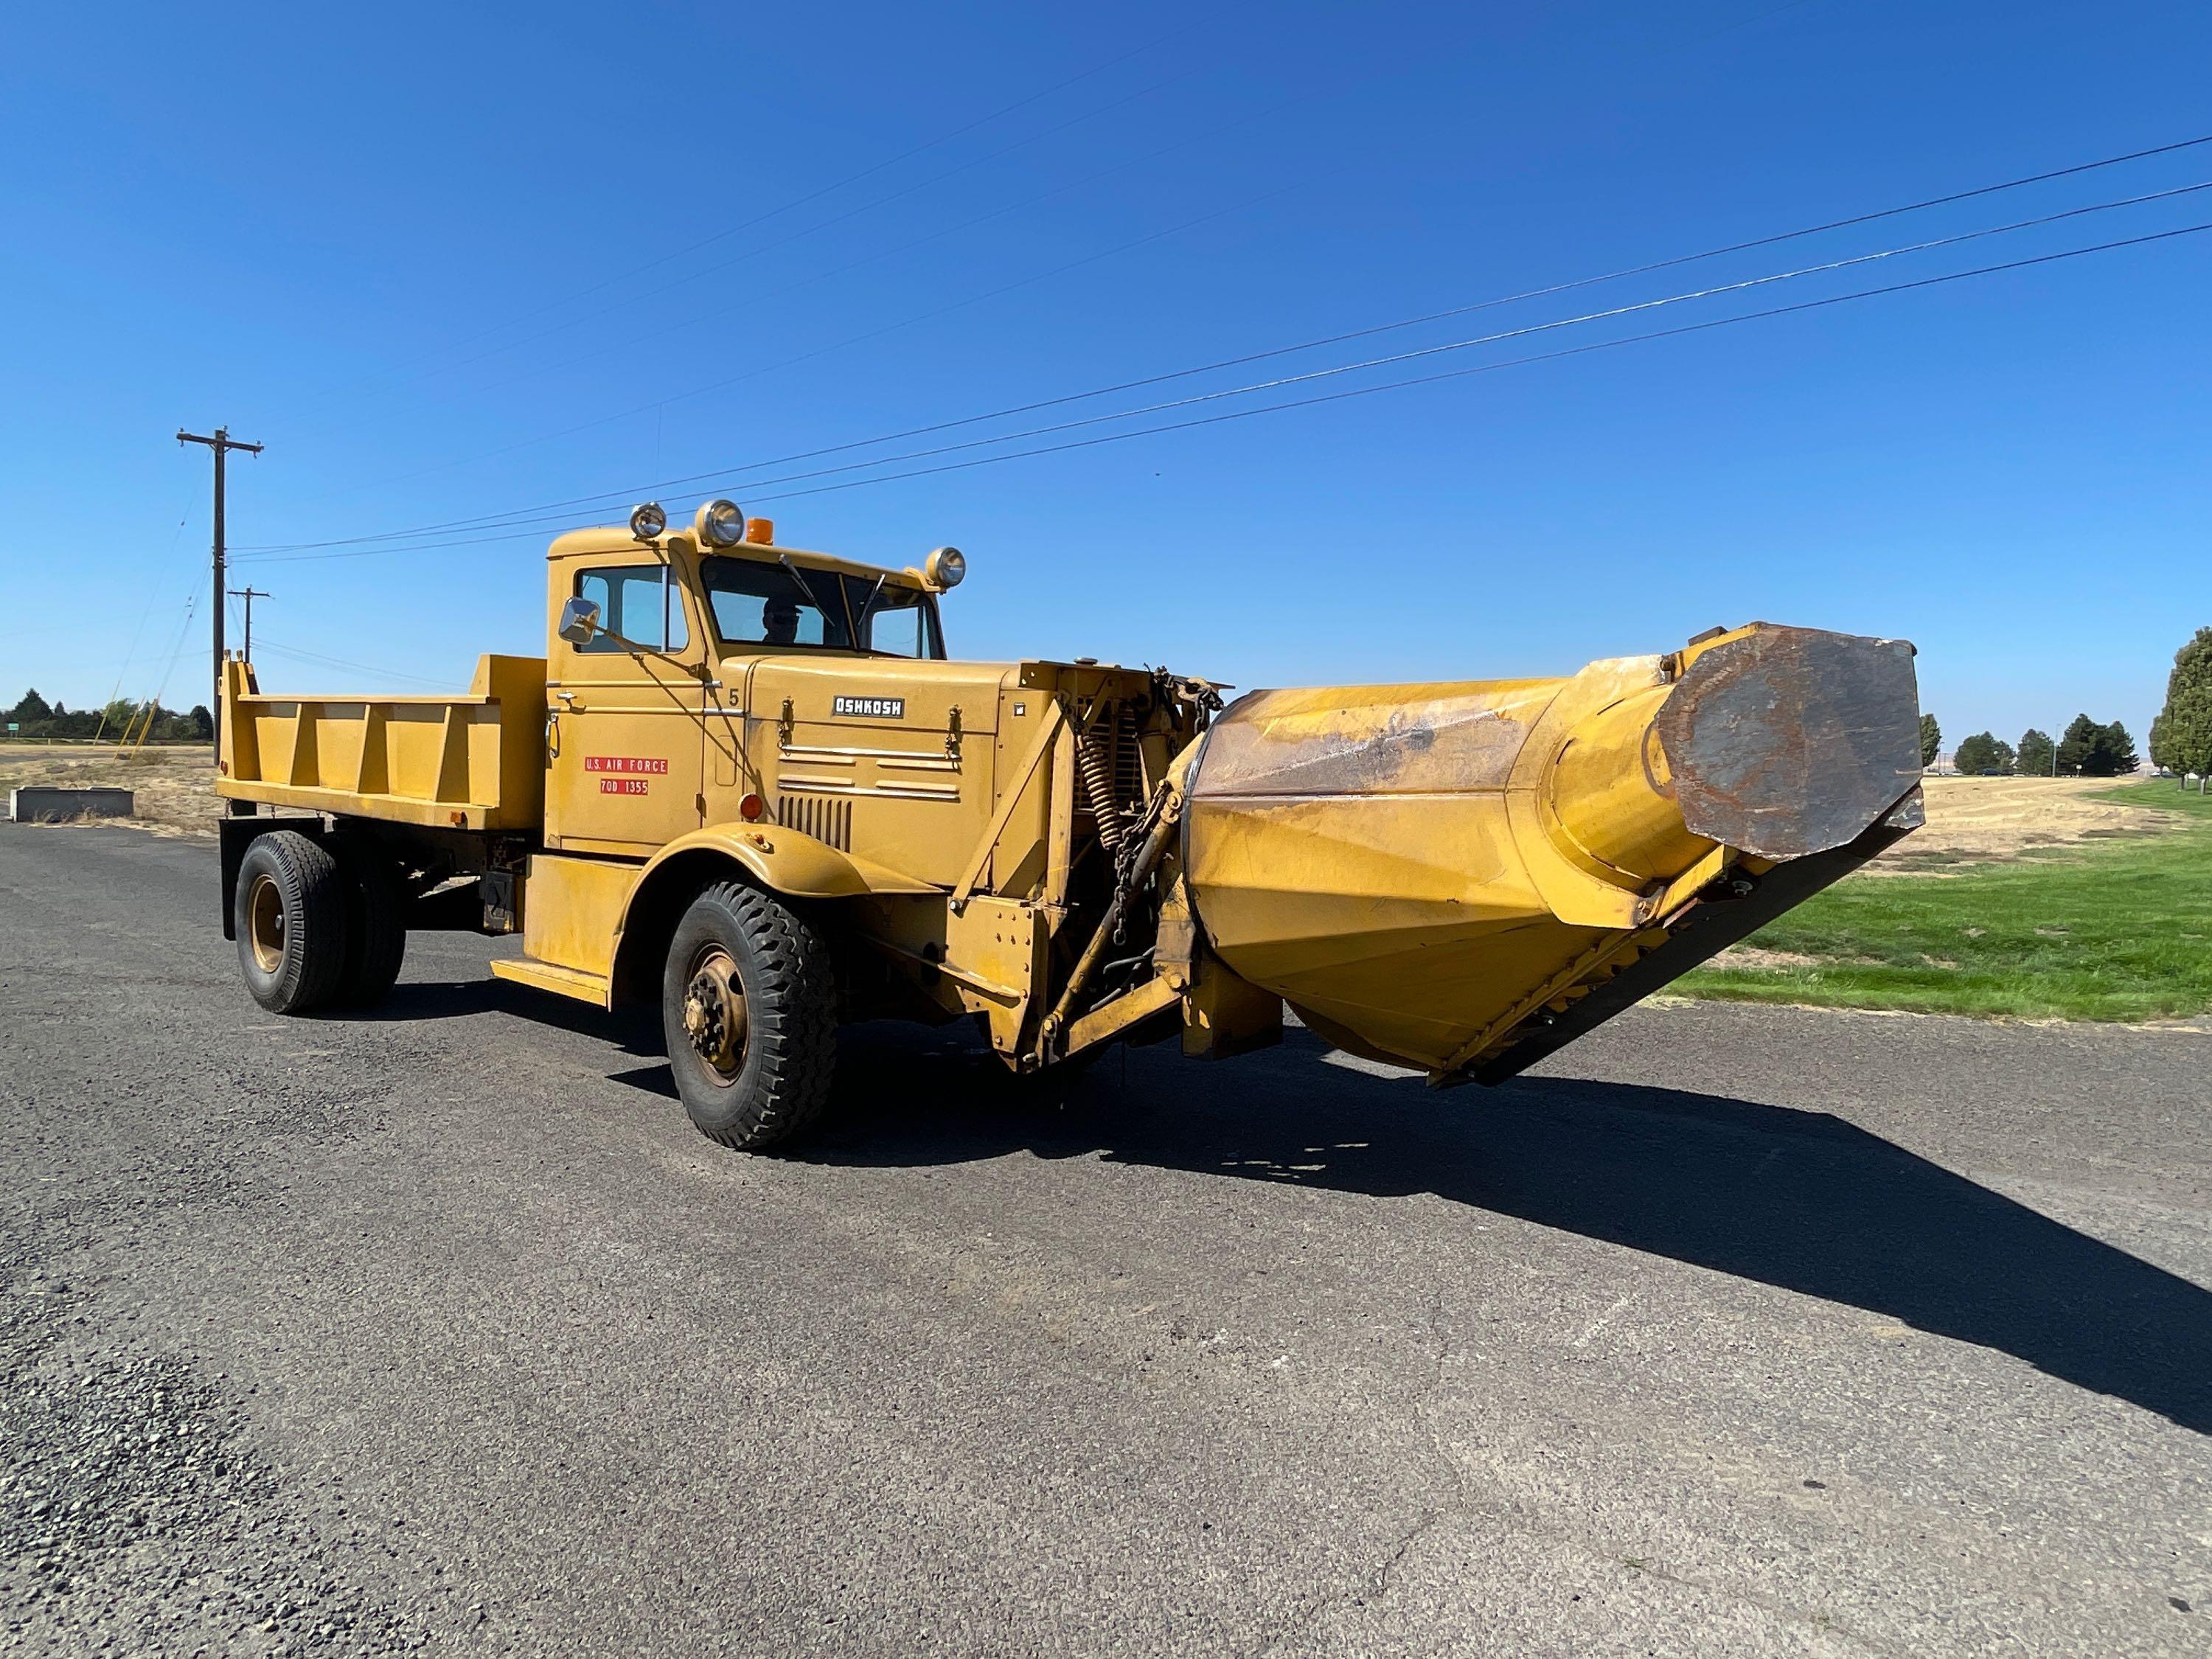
(443, 265)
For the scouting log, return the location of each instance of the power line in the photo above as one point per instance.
(1336, 370)
(934, 235)
(318, 659)
(192, 600)
(1418, 381)
(849, 340)
(1484, 339)
(1515, 362)
(487, 520)
(130, 653)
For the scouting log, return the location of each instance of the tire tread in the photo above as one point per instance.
(316, 950)
(793, 1016)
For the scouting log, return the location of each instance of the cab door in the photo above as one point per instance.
(624, 725)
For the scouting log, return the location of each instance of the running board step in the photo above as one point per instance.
(594, 989)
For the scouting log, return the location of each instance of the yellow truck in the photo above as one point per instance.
(747, 781)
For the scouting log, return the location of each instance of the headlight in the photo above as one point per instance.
(721, 524)
(945, 567)
(647, 521)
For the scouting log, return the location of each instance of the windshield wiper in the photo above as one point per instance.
(861, 616)
(804, 588)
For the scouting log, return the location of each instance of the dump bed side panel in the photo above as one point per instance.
(473, 762)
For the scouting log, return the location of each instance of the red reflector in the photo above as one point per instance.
(752, 807)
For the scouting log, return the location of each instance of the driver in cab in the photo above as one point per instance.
(780, 623)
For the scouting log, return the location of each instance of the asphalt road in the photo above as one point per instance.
(1733, 1332)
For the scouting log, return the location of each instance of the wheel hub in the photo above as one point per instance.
(715, 1012)
(264, 922)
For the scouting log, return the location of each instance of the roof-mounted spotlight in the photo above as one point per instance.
(945, 567)
(647, 521)
(721, 523)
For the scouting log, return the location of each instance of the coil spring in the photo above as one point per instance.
(1128, 759)
(1094, 763)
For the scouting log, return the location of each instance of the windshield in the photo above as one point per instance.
(755, 603)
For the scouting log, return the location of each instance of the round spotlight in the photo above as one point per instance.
(945, 567)
(721, 524)
(647, 521)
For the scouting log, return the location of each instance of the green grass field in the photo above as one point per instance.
(2109, 930)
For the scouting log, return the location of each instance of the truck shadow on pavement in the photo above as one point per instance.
(1799, 1200)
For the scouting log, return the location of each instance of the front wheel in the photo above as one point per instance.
(749, 1005)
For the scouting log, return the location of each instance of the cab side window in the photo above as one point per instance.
(641, 602)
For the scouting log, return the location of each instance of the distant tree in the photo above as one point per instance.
(199, 725)
(2075, 742)
(2115, 752)
(2181, 736)
(30, 706)
(1983, 752)
(2033, 758)
(1931, 739)
(2091, 750)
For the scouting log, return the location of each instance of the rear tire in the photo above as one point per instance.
(376, 942)
(749, 1006)
(290, 914)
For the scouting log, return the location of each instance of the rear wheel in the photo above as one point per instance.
(749, 1005)
(290, 915)
(376, 941)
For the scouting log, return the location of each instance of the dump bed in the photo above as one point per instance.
(475, 762)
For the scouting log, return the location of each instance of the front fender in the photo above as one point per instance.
(779, 860)
(782, 861)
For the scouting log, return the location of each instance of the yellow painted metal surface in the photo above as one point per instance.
(572, 909)
(1223, 1015)
(1419, 869)
(786, 861)
(470, 762)
(999, 945)
(594, 989)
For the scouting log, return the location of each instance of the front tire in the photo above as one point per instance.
(289, 913)
(748, 1006)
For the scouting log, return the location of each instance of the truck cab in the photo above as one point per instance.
(691, 682)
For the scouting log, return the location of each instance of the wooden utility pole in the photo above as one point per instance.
(249, 594)
(222, 443)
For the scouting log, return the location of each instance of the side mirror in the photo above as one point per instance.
(580, 620)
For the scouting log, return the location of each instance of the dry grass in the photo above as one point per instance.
(174, 785)
(1997, 820)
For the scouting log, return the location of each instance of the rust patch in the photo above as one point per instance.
(1368, 741)
(1791, 741)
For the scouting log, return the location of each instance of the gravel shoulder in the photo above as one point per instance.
(1734, 1331)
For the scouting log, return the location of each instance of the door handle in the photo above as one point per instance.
(552, 734)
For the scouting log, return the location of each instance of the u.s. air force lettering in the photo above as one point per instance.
(869, 708)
